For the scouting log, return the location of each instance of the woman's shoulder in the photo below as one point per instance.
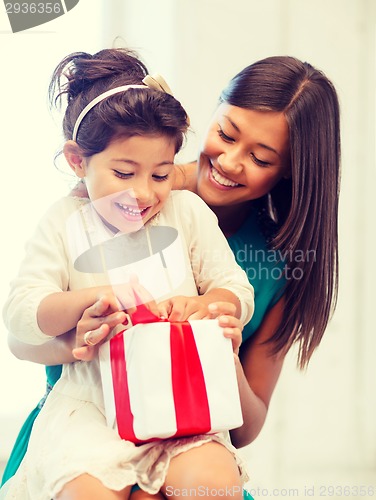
(186, 176)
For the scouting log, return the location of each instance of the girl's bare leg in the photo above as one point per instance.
(142, 495)
(207, 471)
(87, 487)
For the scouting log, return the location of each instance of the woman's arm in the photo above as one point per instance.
(55, 352)
(258, 372)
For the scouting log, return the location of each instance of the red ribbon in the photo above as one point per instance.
(188, 383)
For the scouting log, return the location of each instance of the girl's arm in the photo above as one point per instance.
(100, 318)
(258, 372)
(60, 312)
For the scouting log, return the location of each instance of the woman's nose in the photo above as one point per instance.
(230, 162)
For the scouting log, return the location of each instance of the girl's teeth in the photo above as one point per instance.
(136, 212)
(222, 180)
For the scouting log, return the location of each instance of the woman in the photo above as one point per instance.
(269, 169)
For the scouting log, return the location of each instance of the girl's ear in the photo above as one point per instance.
(74, 157)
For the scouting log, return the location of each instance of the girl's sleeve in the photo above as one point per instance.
(43, 271)
(212, 260)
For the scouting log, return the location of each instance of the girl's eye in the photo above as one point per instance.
(224, 136)
(123, 175)
(160, 178)
(258, 162)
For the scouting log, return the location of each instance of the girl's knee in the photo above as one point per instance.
(142, 495)
(206, 471)
(86, 487)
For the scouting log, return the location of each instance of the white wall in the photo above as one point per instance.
(30, 136)
(321, 427)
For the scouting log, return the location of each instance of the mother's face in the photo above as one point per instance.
(244, 155)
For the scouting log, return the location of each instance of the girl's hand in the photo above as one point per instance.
(232, 326)
(132, 294)
(182, 308)
(95, 325)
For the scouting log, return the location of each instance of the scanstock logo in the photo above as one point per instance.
(27, 14)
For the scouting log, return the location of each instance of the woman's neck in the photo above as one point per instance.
(231, 217)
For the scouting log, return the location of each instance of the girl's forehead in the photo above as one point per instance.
(140, 148)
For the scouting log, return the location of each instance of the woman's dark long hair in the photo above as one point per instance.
(304, 206)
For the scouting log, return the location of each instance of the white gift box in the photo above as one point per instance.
(163, 380)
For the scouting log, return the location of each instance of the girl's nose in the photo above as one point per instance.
(142, 192)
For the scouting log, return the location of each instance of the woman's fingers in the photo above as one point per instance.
(217, 308)
(232, 329)
(86, 351)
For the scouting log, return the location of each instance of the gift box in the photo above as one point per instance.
(163, 380)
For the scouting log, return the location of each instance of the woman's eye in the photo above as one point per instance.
(224, 136)
(123, 175)
(258, 162)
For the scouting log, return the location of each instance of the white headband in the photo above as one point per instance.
(155, 82)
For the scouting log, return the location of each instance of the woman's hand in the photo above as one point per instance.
(182, 308)
(232, 326)
(109, 311)
(95, 325)
(79, 190)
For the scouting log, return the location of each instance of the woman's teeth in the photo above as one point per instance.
(132, 211)
(222, 180)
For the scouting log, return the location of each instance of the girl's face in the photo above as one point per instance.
(245, 154)
(130, 181)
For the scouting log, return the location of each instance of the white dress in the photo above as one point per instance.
(70, 436)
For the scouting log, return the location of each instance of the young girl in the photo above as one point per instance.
(123, 129)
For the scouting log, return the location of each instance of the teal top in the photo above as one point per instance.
(264, 268)
(265, 272)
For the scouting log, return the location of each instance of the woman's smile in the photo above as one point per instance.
(219, 180)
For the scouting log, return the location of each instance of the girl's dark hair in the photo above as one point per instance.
(80, 77)
(304, 206)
